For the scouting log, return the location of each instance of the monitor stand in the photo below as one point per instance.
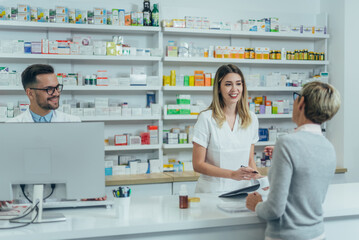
(42, 217)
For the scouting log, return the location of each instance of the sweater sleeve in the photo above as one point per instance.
(280, 176)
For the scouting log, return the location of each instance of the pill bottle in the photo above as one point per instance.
(183, 197)
(251, 53)
(246, 53)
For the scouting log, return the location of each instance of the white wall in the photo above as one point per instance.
(343, 128)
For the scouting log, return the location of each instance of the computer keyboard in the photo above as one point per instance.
(75, 204)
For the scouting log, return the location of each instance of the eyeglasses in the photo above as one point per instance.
(51, 90)
(296, 95)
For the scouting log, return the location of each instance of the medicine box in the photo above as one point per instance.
(23, 8)
(80, 16)
(62, 18)
(5, 13)
(23, 17)
(33, 14)
(135, 140)
(99, 20)
(43, 15)
(61, 10)
(99, 11)
(120, 140)
(172, 51)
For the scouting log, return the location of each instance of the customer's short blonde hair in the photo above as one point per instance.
(322, 101)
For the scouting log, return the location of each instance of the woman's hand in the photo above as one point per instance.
(252, 200)
(244, 173)
(268, 150)
(5, 203)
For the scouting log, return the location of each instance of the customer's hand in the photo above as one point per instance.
(252, 200)
(268, 150)
(244, 173)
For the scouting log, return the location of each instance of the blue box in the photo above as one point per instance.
(263, 134)
(27, 47)
(108, 171)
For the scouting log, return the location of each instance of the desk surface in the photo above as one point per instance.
(165, 177)
(160, 214)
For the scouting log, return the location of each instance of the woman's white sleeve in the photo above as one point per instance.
(201, 131)
(255, 127)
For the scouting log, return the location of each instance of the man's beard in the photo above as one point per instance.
(48, 106)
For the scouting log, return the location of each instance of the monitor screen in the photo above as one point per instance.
(69, 154)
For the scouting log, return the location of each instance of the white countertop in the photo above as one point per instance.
(161, 214)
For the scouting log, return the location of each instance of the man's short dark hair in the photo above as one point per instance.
(28, 76)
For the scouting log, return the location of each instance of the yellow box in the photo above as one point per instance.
(191, 80)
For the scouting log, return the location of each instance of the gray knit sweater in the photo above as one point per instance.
(302, 167)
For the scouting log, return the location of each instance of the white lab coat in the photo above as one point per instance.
(225, 149)
(56, 117)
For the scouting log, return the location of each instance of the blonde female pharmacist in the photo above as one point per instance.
(224, 136)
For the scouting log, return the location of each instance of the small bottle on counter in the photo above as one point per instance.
(183, 197)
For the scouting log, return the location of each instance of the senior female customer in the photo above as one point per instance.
(303, 164)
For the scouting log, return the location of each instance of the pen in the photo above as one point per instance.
(252, 171)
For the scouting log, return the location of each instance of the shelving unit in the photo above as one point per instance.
(116, 65)
(119, 118)
(205, 38)
(210, 89)
(78, 27)
(241, 34)
(78, 57)
(132, 147)
(156, 37)
(243, 61)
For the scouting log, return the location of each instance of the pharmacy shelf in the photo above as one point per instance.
(180, 117)
(274, 89)
(111, 88)
(92, 88)
(177, 146)
(243, 34)
(118, 118)
(252, 89)
(79, 57)
(272, 116)
(17, 25)
(155, 88)
(194, 117)
(2, 120)
(132, 147)
(242, 61)
(190, 145)
(187, 88)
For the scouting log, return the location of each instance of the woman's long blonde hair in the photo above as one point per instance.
(218, 104)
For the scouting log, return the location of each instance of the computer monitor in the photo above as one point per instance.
(53, 153)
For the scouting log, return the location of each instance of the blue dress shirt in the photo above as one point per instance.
(37, 118)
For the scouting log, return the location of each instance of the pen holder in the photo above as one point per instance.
(122, 207)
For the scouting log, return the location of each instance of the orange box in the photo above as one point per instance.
(265, 52)
(268, 103)
(207, 79)
(199, 80)
(128, 20)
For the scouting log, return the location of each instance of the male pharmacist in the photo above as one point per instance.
(43, 90)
